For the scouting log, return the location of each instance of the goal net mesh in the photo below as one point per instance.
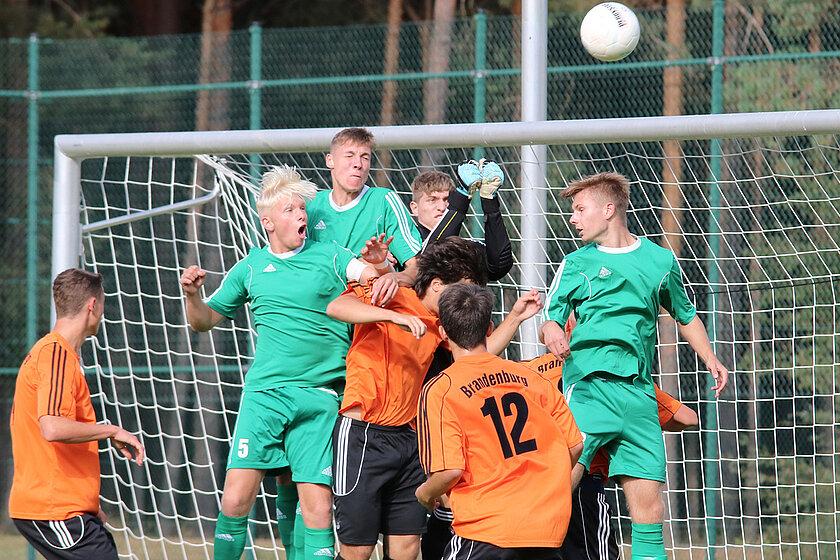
(757, 233)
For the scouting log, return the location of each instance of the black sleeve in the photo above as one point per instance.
(496, 240)
(451, 222)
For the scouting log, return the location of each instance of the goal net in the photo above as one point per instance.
(754, 218)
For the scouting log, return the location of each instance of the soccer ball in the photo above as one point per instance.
(609, 31)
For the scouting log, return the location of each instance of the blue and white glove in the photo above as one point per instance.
(469, 175)
(492, 177)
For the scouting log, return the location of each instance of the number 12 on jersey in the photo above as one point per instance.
(509, 402)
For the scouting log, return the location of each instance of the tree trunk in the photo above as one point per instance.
(434, 90)
(389, 87)
(672, 204)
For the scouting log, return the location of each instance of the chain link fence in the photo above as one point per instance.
(773, 55)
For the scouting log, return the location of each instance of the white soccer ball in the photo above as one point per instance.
(610, 31)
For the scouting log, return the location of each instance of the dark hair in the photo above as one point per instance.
(464, 311)
(611, 187)
(72, 288)
(451, 260)
(355, 135)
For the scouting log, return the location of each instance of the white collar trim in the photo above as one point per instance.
(287, 254)
(349, 205)
(619, 250)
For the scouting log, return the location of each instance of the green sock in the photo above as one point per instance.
(298, 535)
(319, 544)
(648, 542)
(229, 542)
(286, 501)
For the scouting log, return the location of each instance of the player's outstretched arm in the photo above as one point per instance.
(554, 338)
(64, 430)
(695, 334)
(438, 484)
(350, 309)
(201, 317)
(525, 307)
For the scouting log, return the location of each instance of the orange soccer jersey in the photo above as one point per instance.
(552, 369)
(510, 431)
(52, 481)
(386, 365)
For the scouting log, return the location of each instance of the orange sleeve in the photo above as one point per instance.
(666, 404)
(548, 366)
(440, 440)
(361, 291)
(56, 383)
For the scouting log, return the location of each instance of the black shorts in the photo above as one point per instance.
(590, 535)
(376, 470)
(464, 549)
(83, 537)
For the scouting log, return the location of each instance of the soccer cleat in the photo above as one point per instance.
(492, 178)
(469, 174)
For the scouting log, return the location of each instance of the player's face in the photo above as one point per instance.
(429, 208)
(589, 216)
(286, 223)
(349, 165)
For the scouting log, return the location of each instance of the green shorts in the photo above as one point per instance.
(614, 414)
(286, 426)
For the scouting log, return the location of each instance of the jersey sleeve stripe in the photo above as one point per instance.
(403, 220)
(52, 378)
(555, 285)
(59, 363)
(423, 429)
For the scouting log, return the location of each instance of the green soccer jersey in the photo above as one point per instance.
(298, 344)
(376, 210)
(615, 294)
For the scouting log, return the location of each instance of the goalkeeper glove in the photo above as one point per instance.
(492, 178)
(469, 174)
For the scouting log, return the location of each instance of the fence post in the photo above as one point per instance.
(710, 442)
(255, 79)
(32, 96)
(480, 74)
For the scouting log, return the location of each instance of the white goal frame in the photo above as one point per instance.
(531, 254)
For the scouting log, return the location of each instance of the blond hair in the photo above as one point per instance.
(283, 182)
(429, 182)
(610, 187)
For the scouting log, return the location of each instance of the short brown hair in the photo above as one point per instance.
(72, 288)
(354, 135)
(465, 311)
(429, 182)
(450, 260)
(613, 187)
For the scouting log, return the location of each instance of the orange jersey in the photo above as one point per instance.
(52, 481)
(386, 365)
(510, 431)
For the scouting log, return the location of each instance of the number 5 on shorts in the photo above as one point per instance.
(242, 448)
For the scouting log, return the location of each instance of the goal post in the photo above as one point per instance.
(758, 243)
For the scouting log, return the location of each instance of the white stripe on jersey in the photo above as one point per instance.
(340, 474)
(403, 220)
(555, 284)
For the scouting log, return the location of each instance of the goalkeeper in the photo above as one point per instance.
(440, 209)
(291, 394)
(615, 286)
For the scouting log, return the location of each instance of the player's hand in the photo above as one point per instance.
(124, 440)
(384, 289)
(192, 279)
(469, 176)
(719, 373)
(527, 306)
(375, 250)
(429, 502)
(554, 338)
(492, 177)
(410, 323)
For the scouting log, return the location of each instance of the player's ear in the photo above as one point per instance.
(328, 159)
(91, 304)
(413, 206)
(267, 223)
(443, 334)
(609, 210)
(490, 329)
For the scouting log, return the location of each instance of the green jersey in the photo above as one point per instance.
(615, 294)
(298, 344)
(376, 210)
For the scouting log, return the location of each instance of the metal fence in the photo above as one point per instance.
(725, 57)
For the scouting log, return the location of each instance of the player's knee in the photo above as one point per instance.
(404, 548)
(236, 505)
